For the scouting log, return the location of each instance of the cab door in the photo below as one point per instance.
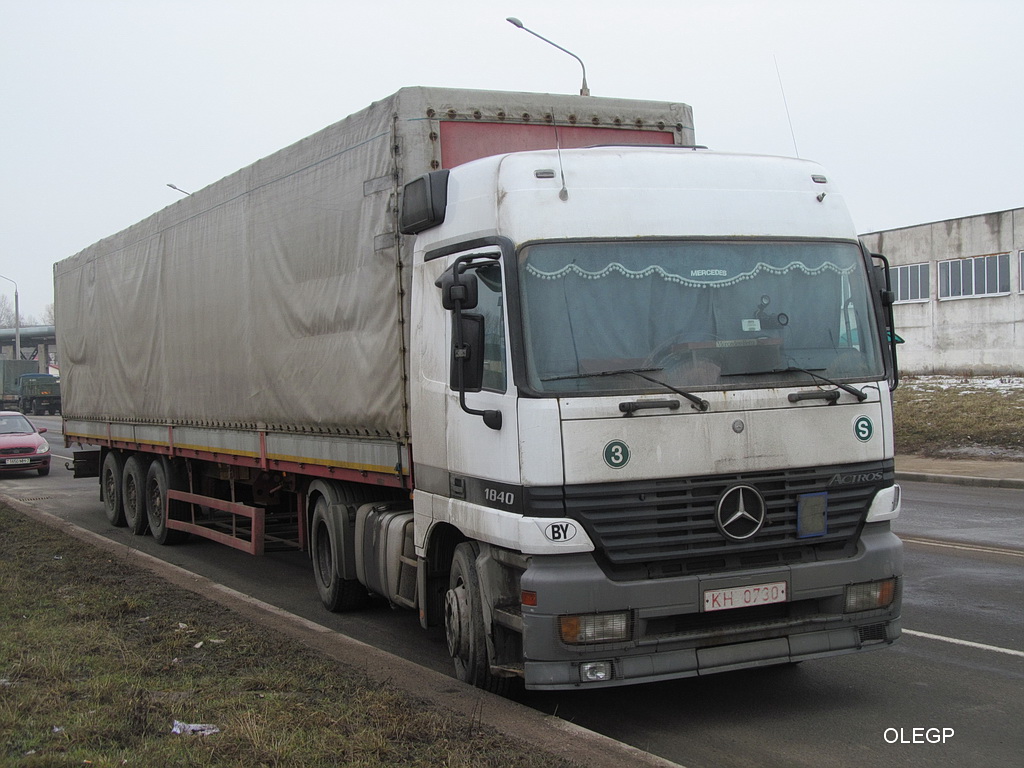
(469, 459)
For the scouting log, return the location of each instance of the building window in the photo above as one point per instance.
(910, 283)
(977, 276)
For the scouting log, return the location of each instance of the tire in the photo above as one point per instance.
(111, 481)
(464, 623)
(44, 471)
(133, 494)
(336, 593)
(157, 506)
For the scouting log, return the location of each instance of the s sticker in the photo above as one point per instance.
(863, 429)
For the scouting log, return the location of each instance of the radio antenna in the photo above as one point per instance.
(785, 103)
(563, 193)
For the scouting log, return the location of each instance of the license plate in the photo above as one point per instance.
(19, 461)
(745, 597)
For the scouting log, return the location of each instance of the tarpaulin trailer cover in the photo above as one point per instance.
(275, 298)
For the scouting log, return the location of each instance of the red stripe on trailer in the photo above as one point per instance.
(463, 141)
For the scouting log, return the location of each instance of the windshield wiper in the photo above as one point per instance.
(567, 376)
(698, 402)
(860, 394)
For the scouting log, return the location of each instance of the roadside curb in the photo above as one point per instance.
(545, 732)
(980, 482)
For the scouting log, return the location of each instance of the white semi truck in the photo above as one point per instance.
(608, 407)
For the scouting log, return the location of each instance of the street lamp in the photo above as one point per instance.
(584, 91)
(179, 190)
(17, 321)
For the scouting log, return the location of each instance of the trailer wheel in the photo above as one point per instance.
(464, 623)
(111, 478)
(336, 593)
(133, 494)
(157, 505)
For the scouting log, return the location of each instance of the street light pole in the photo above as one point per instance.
(17, 321)
(584, 91)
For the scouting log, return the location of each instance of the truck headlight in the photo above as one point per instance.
(870, 595)
(588, 628)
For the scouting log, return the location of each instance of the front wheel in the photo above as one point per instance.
(464, 623)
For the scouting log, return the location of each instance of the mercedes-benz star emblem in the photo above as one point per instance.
(741, 512)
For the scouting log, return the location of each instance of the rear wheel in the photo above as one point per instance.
(464, 623)
(157, 506)
(133, 499)
(111, 478)
(336, 593)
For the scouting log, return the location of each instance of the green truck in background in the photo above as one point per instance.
(38, 394)
(11, 372)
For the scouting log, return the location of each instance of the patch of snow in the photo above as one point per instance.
(1004, 384)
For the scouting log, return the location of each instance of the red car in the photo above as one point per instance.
(22, 446)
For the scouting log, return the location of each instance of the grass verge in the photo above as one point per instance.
(960, 417)
(99, 658)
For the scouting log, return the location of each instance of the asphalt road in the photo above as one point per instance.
(950, 692)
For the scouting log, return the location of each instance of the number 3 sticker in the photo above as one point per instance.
(616, 454)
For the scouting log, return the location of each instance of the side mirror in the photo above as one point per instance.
(470, 355)
(887, 296)
(458, 290)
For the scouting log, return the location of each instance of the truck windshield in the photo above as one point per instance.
(703, 314)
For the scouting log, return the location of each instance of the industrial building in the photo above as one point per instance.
(959, 288)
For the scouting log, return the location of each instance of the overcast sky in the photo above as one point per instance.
(914, 107)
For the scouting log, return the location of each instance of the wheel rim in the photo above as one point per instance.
(456, 609)
(156, 505)
(131, 496)
(109, 489)
(324, 558)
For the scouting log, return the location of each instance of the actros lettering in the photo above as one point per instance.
(866, 477)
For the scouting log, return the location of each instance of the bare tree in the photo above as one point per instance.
(6, 312)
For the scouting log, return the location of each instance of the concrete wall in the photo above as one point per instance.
(979, 335)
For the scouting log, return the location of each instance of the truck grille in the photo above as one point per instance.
(663, 528)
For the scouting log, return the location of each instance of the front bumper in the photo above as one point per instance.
(35, 462)
(672, 637)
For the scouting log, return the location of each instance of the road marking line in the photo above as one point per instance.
(968, 643)
(965, 547)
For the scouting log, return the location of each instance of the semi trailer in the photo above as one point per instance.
(607, 406)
